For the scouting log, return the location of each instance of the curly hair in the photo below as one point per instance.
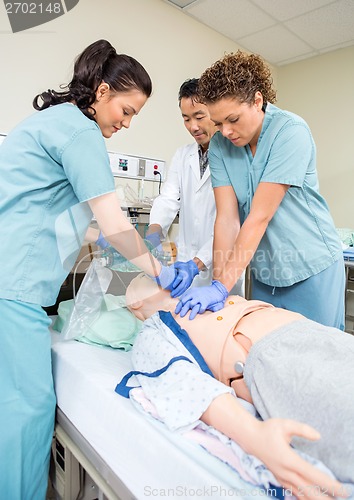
(238, 75)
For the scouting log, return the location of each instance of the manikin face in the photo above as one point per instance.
(197, 121)
(115, 110)
(241, 123)
(142, 292)
(144, 297)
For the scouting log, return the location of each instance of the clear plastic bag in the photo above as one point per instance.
(114, 260)
(90, 296)
(88, 300)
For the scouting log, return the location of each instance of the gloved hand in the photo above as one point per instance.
(186, 272)
(154, 239)
(199, 299)
(166, 277)
(101, 242)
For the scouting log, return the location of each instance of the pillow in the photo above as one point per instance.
(115, 327)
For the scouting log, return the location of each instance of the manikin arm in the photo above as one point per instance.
(270, 442)
(174, 390)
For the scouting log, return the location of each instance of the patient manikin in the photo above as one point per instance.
(288, 366)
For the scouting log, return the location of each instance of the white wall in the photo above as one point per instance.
(171, 46)
(174, 47)
(321, 90)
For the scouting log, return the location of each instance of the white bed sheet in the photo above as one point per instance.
(148, 458)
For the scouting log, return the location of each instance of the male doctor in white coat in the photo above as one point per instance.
(188, 190)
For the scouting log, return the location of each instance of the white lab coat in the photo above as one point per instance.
(193, 197)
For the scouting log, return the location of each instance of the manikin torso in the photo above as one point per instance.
(225, 337)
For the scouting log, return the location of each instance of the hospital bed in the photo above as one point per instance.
(122, 452)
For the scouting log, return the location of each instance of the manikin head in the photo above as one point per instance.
(144, 297)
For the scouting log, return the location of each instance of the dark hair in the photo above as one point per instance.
(238, 75)
(189, 88)
(98, 62)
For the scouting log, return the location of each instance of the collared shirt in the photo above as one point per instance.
(185, 192)
(203, 160)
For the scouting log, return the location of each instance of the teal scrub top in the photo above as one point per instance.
(301, 239)
(50, 165)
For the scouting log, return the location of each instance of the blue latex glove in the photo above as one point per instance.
(166, 277)
(186, 272)
(199, 299)
(101, 242)
(155, 240)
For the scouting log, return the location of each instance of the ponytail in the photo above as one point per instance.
(98, 63)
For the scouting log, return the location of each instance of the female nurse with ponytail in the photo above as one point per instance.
(54, 175)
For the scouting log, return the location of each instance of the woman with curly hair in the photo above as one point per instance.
(270, 213)
(55, 173)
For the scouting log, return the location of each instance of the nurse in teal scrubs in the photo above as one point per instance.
(54, 174)
(270, 213)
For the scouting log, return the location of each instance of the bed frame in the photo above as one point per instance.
(78, 471)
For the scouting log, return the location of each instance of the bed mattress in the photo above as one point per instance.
(138, 450)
